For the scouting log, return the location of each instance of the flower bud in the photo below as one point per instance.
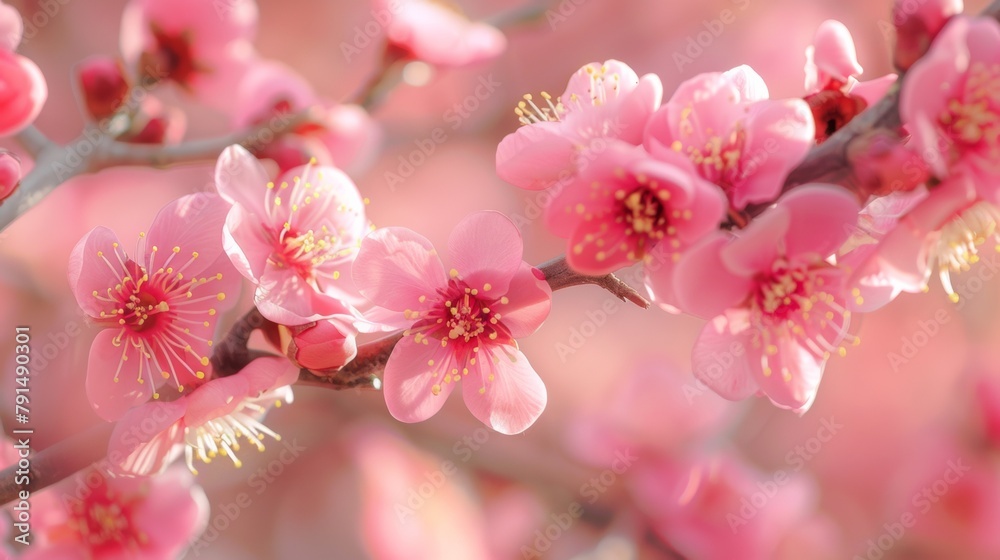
(917, 23)
(103, 86)
(883, 165)
(323, 346)
(10, 173)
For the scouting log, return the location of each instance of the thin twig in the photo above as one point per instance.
(559, 275)
(33, 141)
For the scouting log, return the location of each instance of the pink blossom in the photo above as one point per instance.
(438, 34)
(949, 105)
(772, 293)
(204, 47)
(943, 231)
(917, 24)
(159, 310)
(700, 506)
(294, 238)
(627, 203)
(653, 409)
(464, 323)
(206, 422)
(92, 516)
(873, 285)
(736, 137)
(833, 92)
(24, 89)
(602, 101)
(340, 135)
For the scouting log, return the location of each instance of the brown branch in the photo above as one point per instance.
(93, 151)
(828, 162)
(559, 275)
(58, 462)
(362, 372)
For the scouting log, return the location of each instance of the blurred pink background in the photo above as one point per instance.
(615, 380)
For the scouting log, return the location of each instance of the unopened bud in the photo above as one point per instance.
(917, 22)
(10, 173)
(883, 165)
(102, 85)
(323, 346)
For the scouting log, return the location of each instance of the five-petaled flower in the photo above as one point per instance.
(159, 309)
(772, 292)
(464, 323)
(294, 238)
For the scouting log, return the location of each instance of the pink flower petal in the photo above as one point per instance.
(284, 297)
(240, 178)
(598, 81)
(755, 249)
(749, 83)
(529, 300)
(409, 379)
(506, 393)
(486, 248)
(720, 360)
(779, 133)
(264, 374)
(831, 56)
(794, 375)
(536, 156)
(172, 513)
(872, 91)
(704, 286)
(192, 224)
(821, 218)
(218, 397)
(111, 399)
(143, 441)
(246, 242)
(587, 257)
(88, 273)
(635, 109)
(395, 267)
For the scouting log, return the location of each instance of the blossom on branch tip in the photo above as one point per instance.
(158, 308)
(771, 291)
(438, 34)
(24, 89)
(463, 323)
(562, 135)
